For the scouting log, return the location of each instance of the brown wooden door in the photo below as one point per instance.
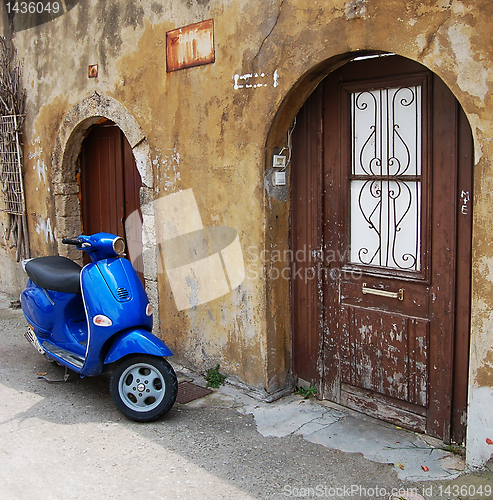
(376, 329)
(110, 182)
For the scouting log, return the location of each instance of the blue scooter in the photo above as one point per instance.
(98, 317)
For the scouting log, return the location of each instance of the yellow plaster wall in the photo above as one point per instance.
(208, 134)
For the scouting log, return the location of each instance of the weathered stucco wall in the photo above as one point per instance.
(213, 132)
(11, 276)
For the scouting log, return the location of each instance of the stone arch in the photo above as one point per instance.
(66, 150)
(301, 90)
(278, 212)
(277, 215)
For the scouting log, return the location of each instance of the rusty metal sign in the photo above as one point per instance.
(191, 45)
(92, 72)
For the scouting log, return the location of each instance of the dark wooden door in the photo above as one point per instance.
(379, 334)
(110, 183)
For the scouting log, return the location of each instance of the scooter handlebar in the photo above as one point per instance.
(69, 241)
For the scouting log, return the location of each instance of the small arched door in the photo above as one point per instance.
(109, 182)
(382, 189)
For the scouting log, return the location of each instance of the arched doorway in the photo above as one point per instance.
(382, 189)
(109, 184)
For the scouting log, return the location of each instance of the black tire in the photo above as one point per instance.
(143, 387)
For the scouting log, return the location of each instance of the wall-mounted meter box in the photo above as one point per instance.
(279, 178)
(279, 161)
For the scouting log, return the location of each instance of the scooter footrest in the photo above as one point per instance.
(67, 356)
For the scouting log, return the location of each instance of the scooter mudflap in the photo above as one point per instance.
(32, 339)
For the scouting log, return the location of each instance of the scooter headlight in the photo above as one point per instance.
(119, 245)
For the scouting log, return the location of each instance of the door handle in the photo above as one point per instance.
(383, 293)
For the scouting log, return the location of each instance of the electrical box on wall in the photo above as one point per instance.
(279, 161)
(279, 178)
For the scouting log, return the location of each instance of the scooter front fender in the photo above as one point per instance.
(136, 341)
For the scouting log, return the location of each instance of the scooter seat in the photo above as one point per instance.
(54, 273)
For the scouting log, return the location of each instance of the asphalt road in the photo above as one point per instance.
(68, 441)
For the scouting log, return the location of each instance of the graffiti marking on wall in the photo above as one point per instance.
(44, 226)
(171, 169)
(38, 150)
(41, 168)
(255, 80)
(39, 165)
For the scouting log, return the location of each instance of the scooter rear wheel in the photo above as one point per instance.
(143, 387)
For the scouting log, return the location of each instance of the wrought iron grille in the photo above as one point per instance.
(12, 191)
(385, 181)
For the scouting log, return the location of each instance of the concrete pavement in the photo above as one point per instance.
(67, 440)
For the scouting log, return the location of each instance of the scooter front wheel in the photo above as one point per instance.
(143, 387)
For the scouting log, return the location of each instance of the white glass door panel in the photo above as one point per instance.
(385, 178)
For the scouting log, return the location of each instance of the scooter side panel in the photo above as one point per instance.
(37, 309)
(136, 342)
(48, 311)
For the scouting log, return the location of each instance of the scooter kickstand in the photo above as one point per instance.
(65, 377)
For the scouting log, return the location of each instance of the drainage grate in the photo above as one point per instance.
(190, 392)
